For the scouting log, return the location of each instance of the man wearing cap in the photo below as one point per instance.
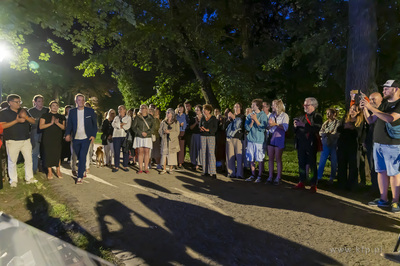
(386, 148)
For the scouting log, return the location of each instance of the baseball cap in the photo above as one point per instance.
(391, 83)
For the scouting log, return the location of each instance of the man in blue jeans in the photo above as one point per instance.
(36, 112)
(81, 129)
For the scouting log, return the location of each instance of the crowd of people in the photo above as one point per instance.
(232, 141)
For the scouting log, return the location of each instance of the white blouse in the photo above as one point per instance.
(116, 124)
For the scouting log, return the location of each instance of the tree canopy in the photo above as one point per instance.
(219, 52)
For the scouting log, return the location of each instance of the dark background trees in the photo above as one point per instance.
(218, 52)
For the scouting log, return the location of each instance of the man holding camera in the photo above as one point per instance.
(386, 145)
(307, 138)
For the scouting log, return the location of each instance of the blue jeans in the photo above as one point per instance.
(328, 150)
(117, 143)
(81, 147)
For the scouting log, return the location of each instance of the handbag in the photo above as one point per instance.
(128, 141)
(153, 137)
(318, 143)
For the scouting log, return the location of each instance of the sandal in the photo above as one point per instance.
(59, 175)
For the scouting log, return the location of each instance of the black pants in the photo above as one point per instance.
(361, 163)
(371, 163)
(347, 160)
(307, 154)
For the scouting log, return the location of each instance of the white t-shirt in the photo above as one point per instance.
(80, 132)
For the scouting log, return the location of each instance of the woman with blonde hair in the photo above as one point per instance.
(278, 124)
(352, 134)
(121, 124)
(169, 132)
(142, 127)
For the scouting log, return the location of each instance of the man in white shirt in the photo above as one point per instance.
(82, 130)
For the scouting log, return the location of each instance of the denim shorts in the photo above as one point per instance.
(255, 152)
(387, 158)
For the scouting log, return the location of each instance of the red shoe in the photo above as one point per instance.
(299, 186)
(139, 172)
(313, 189)
(146, 171)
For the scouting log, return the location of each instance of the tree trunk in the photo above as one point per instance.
(56, 94)
(362, 46)
(193, 61)
(203, 79)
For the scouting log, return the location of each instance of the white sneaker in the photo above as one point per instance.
(31, 181)
(258, 179)
(13, 184)
(250, 179)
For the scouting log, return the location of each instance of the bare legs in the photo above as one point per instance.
(50, 172)
(144, 155)
(253, 168)
(383, 182)
(275, 153)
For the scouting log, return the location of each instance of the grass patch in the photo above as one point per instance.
(98, 138)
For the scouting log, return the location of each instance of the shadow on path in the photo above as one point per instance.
(283, 197)
(206, 235)
(39, 209)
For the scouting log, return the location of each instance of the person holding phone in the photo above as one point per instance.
(307, 129)
(234, 141)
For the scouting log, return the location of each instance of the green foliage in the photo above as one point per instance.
(55, 47)
(90, 68)
(166, 52)
(44, 56)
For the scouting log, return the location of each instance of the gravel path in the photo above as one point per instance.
(184, 219)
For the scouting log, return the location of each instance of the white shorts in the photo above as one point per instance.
(142, 143)
(255, 152)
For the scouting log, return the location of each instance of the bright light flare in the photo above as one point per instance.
(5, 52)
